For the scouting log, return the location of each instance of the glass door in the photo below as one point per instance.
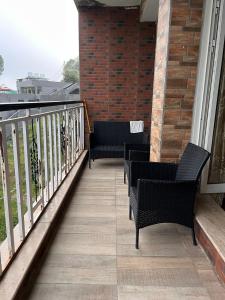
(212, 135)
(216, 173)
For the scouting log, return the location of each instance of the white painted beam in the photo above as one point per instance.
(149, 10)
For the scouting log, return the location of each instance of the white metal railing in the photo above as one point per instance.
(36, 153)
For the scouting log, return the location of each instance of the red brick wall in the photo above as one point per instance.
(176, 102)
(116, 64)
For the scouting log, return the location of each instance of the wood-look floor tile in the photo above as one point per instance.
(169, 250)
(91, 200)
(186, 277)
(96, 191)
(202, 262)
(74, 292)
(91, 211)
(211, 282)
(91, 249)
(127, 236)
(77, 275)
(121, 192)
(215, 288)
(161, 293)
(83, 228)
(122, 200)
(90, 221)
(129, 262)
(93, 256)
(85, 238)
(81, 261)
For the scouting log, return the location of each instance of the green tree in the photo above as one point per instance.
(71, 70)
(1, 65)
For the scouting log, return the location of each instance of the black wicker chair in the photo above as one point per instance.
(141, 153)
(164, 192)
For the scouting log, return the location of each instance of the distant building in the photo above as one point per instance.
(6, 90)
(38, 88)
(35, 84)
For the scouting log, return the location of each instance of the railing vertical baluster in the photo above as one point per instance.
(27, 171)
(67, 142)
(6, 191)
(72, 136)
(46, 158)
(79, 141)
(77, 133)
(39, 147)
(59, 146)
(0, 264)
(65, 139)
(82, 127)
(55, 150)
(69, 139)
(51, 153)
(17, 167)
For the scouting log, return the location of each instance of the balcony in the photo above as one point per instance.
(75, 241)
(93, 254)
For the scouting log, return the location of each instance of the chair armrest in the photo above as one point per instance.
(136, 155)
(91, 140)
(151, 170)
(159, 194)
(128, 147)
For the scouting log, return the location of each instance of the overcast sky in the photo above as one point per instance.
(37, 36)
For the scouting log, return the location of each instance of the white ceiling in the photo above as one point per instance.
(149, 11)
(149, 8)
(120, 2)
(123, 3)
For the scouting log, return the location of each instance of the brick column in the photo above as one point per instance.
(178, 37)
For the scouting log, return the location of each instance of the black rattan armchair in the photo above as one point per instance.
(134, 155)
(164, 192)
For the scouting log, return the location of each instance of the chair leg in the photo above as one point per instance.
(124, 177)
(130, 212)
(89, 163)
(193, 237)
(137, 238)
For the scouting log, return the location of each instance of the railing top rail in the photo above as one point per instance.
(35, 104)
(33, 116)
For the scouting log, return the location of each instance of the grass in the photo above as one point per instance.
(2, 217)
(12, 192)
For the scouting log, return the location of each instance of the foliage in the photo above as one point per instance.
(13, 185)
(1, 65)
(71, 70)
(14, 217)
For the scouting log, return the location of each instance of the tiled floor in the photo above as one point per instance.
(93, 255)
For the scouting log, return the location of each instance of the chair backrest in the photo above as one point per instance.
(110, 133)
(115, 133)
(192, 162)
